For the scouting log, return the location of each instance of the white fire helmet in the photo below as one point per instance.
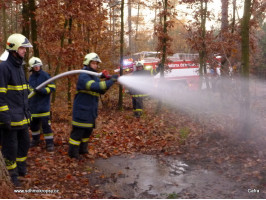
(91, 57)
(34, 61)
(13, 43)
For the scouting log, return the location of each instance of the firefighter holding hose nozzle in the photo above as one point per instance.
(85, 107)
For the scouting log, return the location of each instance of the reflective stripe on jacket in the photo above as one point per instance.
(40, 102)
(14, 92)
(85, 108)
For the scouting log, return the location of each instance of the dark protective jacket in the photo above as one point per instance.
(141, 73)
(14, 91)
(40, 102)
(85, 108)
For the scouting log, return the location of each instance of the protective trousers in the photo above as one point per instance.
(15, 146)
(78, 141)
(137, 106)
(1, 138)
(35, 127)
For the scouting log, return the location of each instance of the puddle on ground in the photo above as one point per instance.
(148, 176)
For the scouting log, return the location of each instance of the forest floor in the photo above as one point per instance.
(168, 155)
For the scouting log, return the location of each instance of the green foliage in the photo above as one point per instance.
(184, 132)
(172, 196)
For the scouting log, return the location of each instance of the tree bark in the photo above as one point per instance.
(129, 28)
(5, 183)
(203, 52)
(34, 37)
(224, 29)
(120, 100)
(26, 29)
(164, 56)
(137, 27)
(60, 57)
(234, 17)
(224, 24)
(4, 23)
(69, 68)
(245, 102)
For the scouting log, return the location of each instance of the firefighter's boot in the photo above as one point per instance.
(22, 168)
(73, 151)
(138, 114)
(83, 148)
(49, 145)
(35, 141)
(14, 177)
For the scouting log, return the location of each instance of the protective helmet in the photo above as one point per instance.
(17, 40)
(139, 66)
(91, 57)
(34, 61)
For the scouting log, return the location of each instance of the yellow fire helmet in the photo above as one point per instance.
(91, 57)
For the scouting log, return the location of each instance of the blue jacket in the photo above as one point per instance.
(40, 102)
(85, 108)
(14, 91)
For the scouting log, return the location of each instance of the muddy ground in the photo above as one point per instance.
(185, 176)
(216, 161)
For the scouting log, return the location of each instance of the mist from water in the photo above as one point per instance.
(221, 102)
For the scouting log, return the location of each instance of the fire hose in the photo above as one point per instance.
(62, 75)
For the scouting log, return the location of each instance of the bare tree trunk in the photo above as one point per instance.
(6, 188)
(16, 21)
(155, 20)
(26, 29)
(234, 17)
(129, 27)
(245, 103)
(4, 23)
(4, 176)
(224, 24)
(136, 34)
(69, 68)
(203, 53)
(60, 57)
(224, 30)
(164, 56)
(113, 39)
(32, 10)
(11, 23)
(120, 100)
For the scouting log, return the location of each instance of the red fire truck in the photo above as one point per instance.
(181, 67)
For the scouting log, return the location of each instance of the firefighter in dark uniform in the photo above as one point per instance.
(14, 110)
(85, 106)
(40, 105)
(137, 96)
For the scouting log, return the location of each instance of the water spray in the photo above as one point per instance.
(62, 75)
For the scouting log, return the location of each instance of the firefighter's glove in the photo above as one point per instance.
(37, 91)
(114, 77)
(105, 74)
